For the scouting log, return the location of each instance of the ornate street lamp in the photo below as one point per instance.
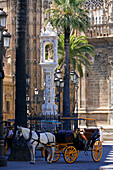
(74, 79)
(36, 94)
(7, 37)
(59, 73)
(3, 17)
(27, 92)
(27, 80)
(59, 83)
(4, 43)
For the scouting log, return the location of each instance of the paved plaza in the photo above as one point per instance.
(82, 163)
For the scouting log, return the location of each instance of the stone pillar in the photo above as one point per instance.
(110, 59)
(111, 17)
(49, 64)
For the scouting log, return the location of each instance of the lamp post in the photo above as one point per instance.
(59, 83)
(4, 43)
(27, 101)
(36, 94)
(27, 80)
(74, 79)
(27, 91)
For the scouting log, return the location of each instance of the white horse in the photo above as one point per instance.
(40, 140)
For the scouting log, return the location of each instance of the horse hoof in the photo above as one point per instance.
(32, 162)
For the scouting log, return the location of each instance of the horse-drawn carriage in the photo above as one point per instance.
(70, 142)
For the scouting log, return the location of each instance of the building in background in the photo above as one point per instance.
(33, 70)
(95, 92)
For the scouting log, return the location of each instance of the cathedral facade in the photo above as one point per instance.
(95, 92)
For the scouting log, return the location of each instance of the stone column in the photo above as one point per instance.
(49, 64)
(110, 59)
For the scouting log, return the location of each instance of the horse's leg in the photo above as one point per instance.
(52, 153)
(49, 155)
(33, 154)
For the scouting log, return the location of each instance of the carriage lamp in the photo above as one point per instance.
(74, 79)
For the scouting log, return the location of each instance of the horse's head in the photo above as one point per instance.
(18, 132)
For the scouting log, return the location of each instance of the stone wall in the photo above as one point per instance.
(95, 94)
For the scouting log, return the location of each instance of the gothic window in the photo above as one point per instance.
(99, 19)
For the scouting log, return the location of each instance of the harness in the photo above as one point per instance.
(38, 140)
(30, 136)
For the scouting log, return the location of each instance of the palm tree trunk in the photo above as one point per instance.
(20, 112)
(66, 94)
(20, 151)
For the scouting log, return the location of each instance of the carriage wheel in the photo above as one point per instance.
(70, 154)
(57, 154)
(97, 151)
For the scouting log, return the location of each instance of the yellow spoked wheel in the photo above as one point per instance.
(57, 154)
(70, 154)
(97, 151)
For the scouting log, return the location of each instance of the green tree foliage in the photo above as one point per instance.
(66, 15)
(78, 50)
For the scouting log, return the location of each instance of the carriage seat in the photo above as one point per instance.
(64, 136)
(89, 132)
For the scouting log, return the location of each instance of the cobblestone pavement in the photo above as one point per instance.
(82, 163)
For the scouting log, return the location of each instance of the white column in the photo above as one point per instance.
(49, 108)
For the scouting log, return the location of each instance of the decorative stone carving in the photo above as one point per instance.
(110, 59)
(49, 38)
(92, 4)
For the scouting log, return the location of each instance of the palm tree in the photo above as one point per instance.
(65, 15)
(19, 151)
(78, 50)
(20, 107)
